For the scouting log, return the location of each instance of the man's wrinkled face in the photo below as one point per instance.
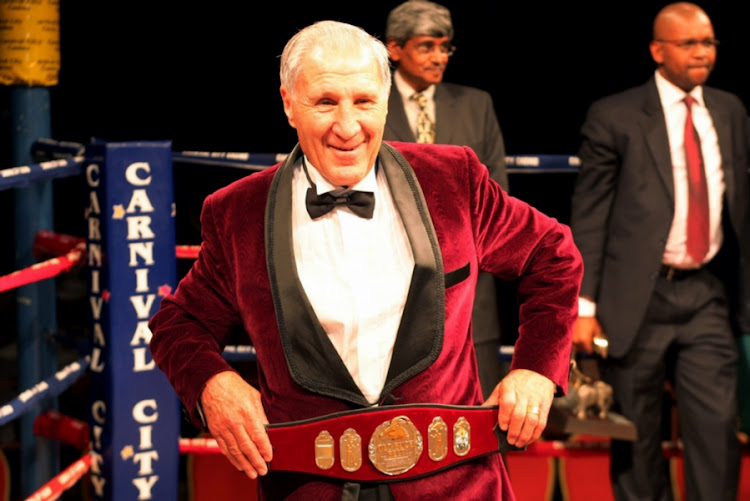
(339, 109)
(422, 59)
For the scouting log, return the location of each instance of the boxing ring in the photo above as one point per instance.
(130, 445)
(130, 256)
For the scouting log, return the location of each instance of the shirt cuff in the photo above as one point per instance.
(586, 307)
(201, 416)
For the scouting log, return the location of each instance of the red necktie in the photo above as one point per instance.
(697, 217)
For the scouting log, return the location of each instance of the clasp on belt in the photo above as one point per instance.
(672, 273)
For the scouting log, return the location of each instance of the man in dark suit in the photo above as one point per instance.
(661, 214)
(353, 306)
(419, 35)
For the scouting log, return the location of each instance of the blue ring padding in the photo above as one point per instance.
(15, 177)
(239, 353)
(238, 159)
(49, 148)
(542, 163)
(50, 387)
(46, 148)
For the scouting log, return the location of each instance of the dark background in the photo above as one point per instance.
(205, 76)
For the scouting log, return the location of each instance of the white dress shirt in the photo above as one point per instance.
(356, 273)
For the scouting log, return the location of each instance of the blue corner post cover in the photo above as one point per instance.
(134, 412)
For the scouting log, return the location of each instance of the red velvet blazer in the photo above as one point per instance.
(458, 221)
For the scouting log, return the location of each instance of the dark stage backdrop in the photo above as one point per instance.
(205, 74)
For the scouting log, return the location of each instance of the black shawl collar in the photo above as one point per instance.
(312, 359)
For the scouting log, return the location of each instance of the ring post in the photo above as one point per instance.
(132, 264)
(29, 63)
(35, 303)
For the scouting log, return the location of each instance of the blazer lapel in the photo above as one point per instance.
(444, 110)
(722, 121)
(397, 126)
(311, 358)
(420, 335)
(655, 130)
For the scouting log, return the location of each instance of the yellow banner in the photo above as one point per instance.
(29, 42)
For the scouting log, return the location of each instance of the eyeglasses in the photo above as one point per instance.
(428, 47)
(691, 43)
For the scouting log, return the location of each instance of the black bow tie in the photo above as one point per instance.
(362, 203)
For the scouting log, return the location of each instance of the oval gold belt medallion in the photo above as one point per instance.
(324, 450)
(395, 446)
(350, 445)
(437, 439)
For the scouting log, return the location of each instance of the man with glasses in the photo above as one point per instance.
(419, 36)
(423, 108)
(661, 214)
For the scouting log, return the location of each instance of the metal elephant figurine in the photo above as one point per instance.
(593, 399)
(586, 397)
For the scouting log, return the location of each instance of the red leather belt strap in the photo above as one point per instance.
(387, 444)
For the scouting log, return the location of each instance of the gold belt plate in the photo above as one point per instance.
(395, 446)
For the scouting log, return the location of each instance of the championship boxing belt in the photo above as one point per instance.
(387, 444)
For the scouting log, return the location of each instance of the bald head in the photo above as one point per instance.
(680, 12)
(684, 45)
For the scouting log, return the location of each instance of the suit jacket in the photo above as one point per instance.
(457, 221)
(623, 204)
(464, 116)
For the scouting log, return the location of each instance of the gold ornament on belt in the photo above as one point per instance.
(324, 452)
(395, 446)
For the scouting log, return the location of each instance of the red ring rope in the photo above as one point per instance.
(63, 481)
(74, 250)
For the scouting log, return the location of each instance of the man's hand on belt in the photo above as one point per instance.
(524, 398)
(236, 419)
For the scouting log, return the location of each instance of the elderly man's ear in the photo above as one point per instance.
(286, 98)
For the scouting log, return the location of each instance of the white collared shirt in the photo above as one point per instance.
(411, 107)
(356, 273)
(675, 111)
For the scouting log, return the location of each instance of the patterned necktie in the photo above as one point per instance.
(698, 214)
(425, 125)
